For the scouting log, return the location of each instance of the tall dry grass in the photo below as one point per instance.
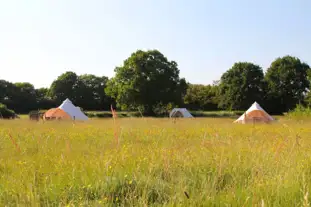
(194, 162)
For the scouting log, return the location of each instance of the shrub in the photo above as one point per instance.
(6, 113)
(299, 112)
(162, 110)
(98, 114)
(232, 114)
(107, 114)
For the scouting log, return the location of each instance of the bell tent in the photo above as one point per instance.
(180, 112)
(56, 113)
(72, 110)
(255, 114)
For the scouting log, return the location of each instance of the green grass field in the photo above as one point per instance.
(192, 162)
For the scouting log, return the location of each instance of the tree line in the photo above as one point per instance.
(150, 83)
(86, 91)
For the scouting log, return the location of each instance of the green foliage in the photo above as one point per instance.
(148, 83)
(98, 114)
(87, 91)
(94, 96)
(25, 97)
(108, 114)
(145, 80)
(201, 97)
(43, 100)
(287, 83)
(18, 96)
(307, 99)
(217, 114)
(6, 113)
(241, 86)
(163, 110)
(42, 92)
(65, 86)
(7, 93)
(299, 112)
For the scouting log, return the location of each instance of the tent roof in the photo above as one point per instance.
(56, 112)
(184, 112)
(73, 111)
(255, 107)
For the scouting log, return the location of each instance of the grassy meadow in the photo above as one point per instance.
(151, 162)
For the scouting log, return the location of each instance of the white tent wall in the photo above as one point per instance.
(72, 110)
(185, 113)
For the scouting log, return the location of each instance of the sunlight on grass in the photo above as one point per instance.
(158, 162)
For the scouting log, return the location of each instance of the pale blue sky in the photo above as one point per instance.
(40, 39)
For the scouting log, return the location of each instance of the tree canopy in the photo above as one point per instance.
(201, 97)
(146, 79)
(65, 87)
(87, 91)
(287, 83)
(18, 96)
(93, 94)
(241, 85)
(24, 97)
(6, 113)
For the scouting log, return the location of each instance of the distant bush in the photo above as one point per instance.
(107, 114)
(98, 114)
(6, 113)
(216, 113)
(163, 112)
(299, 112)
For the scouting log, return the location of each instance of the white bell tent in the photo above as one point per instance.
(254, 114)
(73, 111)
(180, 112)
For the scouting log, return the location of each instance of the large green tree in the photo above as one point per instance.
(241, 85)
(201, 97)
(86, 91)
(43, 100)
(24, 97)
(145, 80)
(41, 93)
(7, 91)
(94, 96)
(287, 83)
(65, 86)
(20, 97)
(307, 100)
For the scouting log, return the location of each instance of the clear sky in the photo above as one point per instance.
(40, 39)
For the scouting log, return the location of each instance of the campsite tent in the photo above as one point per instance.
(56, 113)
(254, 114)
(180, 112)
(73, 111)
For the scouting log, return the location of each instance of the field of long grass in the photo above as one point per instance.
(150, 162)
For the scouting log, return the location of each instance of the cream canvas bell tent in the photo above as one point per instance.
(255, 114)
(180, 112)
(74, 112)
